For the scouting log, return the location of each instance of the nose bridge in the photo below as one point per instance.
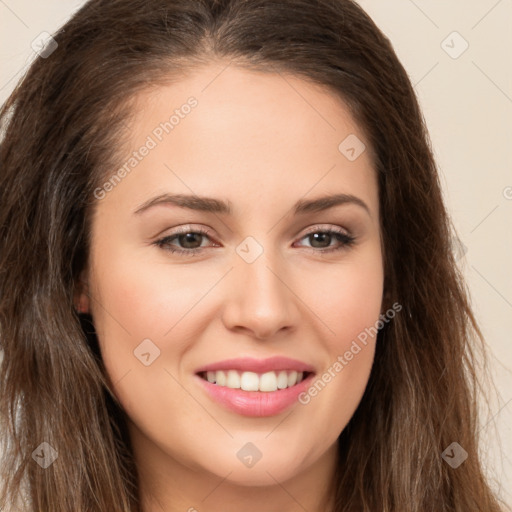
(259, 299)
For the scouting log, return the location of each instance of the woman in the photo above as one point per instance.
(169, 343)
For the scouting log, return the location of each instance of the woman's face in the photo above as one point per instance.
(267, 286)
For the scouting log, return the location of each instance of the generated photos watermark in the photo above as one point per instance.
(343, 360)
(151, 142)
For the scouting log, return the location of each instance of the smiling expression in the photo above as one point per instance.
(277, 253)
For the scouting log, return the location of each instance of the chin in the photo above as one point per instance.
(260, 475)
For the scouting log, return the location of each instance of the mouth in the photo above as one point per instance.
(255, 387)
(267, 382)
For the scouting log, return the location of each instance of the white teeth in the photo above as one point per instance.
(268, 382)
(292, 378)
(233, 379)
(220, 378)
(251, 381)
(282, 380)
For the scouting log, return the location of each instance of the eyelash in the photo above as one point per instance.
(347, 241)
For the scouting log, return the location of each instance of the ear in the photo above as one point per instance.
(386, 301)
(81, 295)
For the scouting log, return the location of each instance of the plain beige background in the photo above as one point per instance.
(458, 55)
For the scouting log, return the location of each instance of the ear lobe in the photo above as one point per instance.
(82, 304)
(81, 295)
(386, 302)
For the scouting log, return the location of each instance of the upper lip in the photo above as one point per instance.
(248, 364)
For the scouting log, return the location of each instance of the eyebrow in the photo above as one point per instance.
(212, 205)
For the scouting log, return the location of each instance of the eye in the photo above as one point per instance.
(322, 239)
(190, 239)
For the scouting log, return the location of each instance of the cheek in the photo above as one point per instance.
(133, 302)
(347, 297)
(349, 305)
(139, 319)
(146, 299)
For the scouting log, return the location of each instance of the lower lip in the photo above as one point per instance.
(256, 403)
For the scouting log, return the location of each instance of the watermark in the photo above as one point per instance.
(458, 248)
(249, 455)
(454, 45)
(151, 142)
(352, 147)
(45, 455)
(146, 352)
(44, 45)
(507, 193)
(343, 360)
(249, 249)
(454, 455)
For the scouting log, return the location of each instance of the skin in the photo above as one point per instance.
(261, 141)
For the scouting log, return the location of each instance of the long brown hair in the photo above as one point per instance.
(62, 129)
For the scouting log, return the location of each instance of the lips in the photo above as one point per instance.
(247, 364)
(255, 387)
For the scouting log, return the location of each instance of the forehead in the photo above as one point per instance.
(227, 131)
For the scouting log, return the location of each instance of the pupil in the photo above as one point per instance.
(188, 238)
(318, 237)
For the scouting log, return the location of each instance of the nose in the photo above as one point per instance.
(260, 301)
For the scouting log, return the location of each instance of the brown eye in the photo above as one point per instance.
(190, 240)
(186, 241)
(322, 240)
